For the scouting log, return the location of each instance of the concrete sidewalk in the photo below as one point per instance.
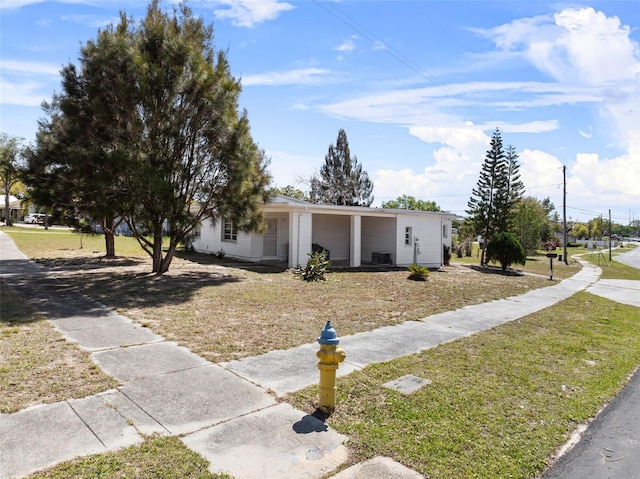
(223, 411)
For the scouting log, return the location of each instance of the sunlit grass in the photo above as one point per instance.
(501, 402)
(157, 457)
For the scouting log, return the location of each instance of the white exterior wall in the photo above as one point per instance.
(355, 242)
(428, 230)
(354, 236)
(332, 233)
(211, 241)
(301, 227)
(379, 236)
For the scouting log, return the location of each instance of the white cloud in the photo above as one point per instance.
(30, 68)
(451, 177)
(585, 134)
(347, 46)
(582, 48)
(23, 93)
(379, 45)
(302, 76)
(248, 13)
(615, 176)
(591, 61)
(539, 169)
(283, 170)
(23, 82)
(575, 45)
(93, 21)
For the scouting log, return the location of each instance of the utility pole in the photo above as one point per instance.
(609, 235)
(564, 211)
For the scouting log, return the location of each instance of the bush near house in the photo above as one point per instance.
(417, 272)
(505, 249)
(316, 268)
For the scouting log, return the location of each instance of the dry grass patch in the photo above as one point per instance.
(224, 313)
(37, 365)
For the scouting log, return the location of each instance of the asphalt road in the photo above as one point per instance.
(610, 446)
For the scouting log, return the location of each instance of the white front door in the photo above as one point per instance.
(270, 238)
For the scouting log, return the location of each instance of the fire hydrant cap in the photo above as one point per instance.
(328, 335)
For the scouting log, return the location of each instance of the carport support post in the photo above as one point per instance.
(330, 356)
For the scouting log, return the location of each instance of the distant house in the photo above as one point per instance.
(15, 208)
(351, 235)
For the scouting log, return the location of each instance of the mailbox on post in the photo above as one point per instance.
(551, 256)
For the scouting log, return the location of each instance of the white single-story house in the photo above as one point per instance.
(15, 208)
(350, 234)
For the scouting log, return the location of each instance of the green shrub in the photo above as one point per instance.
(316, 268)
(417, 272)
(505, 249)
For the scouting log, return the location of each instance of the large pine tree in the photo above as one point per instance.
(491, 206)
(506, 200)
(342, 180)
(149, 125)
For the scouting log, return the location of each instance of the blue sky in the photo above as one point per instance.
(419, 87)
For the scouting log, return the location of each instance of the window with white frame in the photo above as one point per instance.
(408, 234)
(445, 231)
(229, 231)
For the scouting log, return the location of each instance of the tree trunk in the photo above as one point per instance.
(108, 228)
(110, 244)
(7, 210)
(158, 263)
(168, 257)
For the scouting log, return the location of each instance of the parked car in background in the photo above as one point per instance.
(35, 218)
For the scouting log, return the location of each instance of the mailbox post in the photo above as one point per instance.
(551, 256)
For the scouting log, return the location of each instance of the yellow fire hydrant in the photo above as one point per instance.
(330, 356)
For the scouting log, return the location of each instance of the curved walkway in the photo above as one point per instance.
(226, 411)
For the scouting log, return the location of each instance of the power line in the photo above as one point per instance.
(398, 55)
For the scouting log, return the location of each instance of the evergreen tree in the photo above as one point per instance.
(10, 155)
(405, 202)
(505, 248)
(491, 184)
(291, 192)
(342, 180)
(149, 127)
(508, 198)
(493, 204)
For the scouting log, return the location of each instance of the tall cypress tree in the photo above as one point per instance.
(341, 181)
(491, 184)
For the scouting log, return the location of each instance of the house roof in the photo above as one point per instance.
(13, 202)
(285, 203)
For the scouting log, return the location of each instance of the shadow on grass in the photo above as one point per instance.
(495, 270)
(90, 262)
(118, 282)
(270, 267)
(14, 311)
(132, 289)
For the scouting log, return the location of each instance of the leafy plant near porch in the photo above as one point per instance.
(417, 272)
(316, 268)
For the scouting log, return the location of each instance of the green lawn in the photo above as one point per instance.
(156, 458)
(501, 402)
(38, 243)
